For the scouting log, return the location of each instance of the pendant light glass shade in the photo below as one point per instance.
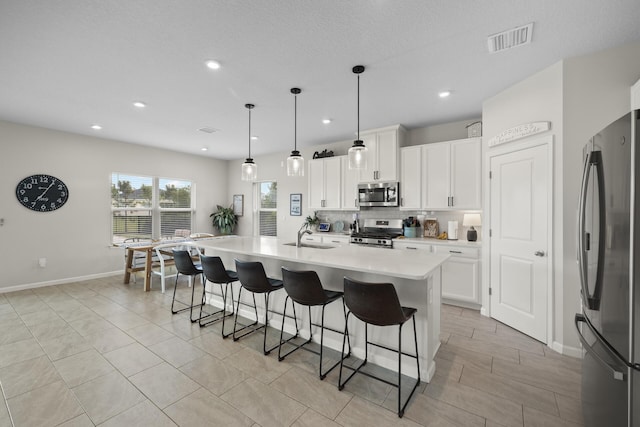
(249, 168)
(357, 154)
(295, 162)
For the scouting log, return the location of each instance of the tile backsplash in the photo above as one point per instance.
(443, 217)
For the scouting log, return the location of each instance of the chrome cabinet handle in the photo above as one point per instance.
(455, 252)
(539, 253)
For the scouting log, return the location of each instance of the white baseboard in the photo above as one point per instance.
(58, 281)
(566, 350)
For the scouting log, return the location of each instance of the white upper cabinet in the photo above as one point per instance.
(382, 154)
(452, 175)
(350, 179)
(411, 177)
(325, 183)
(466, 174)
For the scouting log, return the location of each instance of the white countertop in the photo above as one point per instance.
(348, 257)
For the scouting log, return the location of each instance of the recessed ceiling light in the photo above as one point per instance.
(212, 64)
(139, 104)
(204, 149)
(254, 138)
(444, 94)
(326, 121)
(96, 127)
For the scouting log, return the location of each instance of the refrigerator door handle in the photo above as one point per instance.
(617, 375)
(592, 301)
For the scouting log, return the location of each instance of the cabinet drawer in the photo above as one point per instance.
(311, 238)
(342, 240)
(412, 246)
(458, 251)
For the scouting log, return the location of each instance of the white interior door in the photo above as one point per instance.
(520, 206)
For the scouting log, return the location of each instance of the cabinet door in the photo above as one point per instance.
(332, 183)
(437, 176)
(411, 246)
(387, 164)
(315, 171)
(350, 179)
(466, 174)
(371, 142)
(460, 279)
(410, 178)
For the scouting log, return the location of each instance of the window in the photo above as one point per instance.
(149, 207)
(267, 193)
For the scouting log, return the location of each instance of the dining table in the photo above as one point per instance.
(148, 248)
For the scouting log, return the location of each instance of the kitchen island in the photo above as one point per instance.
(417, 281)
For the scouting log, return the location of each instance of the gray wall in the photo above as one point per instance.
(76, 238)
(579, 96)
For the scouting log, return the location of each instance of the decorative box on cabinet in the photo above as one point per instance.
(325, 183)
(382, 153)
(452, 174)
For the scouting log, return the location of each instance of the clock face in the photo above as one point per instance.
(42, 193)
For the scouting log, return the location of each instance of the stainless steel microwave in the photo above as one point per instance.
(378, 194)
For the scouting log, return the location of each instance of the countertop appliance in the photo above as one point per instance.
(378, 232)
(609, 263)
(378, 194)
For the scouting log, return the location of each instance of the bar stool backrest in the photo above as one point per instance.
(373, 303)
(252, 276)
(214, 270)
(303, 286)
(184, 263)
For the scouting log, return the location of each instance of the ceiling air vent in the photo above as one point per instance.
(510, 38)
(207, 129)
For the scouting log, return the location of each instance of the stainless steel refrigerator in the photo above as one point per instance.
(609, 263)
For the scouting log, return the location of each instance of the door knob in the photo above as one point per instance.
(539, 253)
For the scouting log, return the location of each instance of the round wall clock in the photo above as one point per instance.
(42, 193)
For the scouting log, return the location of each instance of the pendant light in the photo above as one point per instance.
(358, 152)
(249, 168)
(295, 162)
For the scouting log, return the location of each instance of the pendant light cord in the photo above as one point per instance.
(358, 107)
(295, 122)
(249, 132)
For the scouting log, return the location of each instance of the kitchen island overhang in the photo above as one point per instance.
(416, 278)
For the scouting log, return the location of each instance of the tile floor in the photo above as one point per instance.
(102, 353)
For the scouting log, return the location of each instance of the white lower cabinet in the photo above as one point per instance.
(311, 238)
(460, 274)
(336, 239)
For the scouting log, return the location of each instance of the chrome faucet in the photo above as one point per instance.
(301, 232)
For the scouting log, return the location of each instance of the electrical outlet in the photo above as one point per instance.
(42, 262)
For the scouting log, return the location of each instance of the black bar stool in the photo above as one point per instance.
(304, 288)
(377, 304)
(185, 266)
(254, 279)
(215, 272)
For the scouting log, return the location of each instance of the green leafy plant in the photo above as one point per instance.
(311, 221)
(224, 219)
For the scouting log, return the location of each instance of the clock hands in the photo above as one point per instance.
(45, 191)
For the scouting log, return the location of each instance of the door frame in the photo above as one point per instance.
(549, 142)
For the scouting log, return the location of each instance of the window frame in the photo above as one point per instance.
(155, 209)
(257, 193)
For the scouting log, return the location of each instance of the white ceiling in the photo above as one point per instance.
(68, 64)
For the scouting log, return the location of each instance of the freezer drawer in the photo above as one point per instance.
(604, 381)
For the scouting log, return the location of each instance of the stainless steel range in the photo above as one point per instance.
(378, 232)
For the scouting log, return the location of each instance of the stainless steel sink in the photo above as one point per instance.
(310, 245)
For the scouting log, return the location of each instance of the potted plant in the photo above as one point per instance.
(311, 221)
(224, 219)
